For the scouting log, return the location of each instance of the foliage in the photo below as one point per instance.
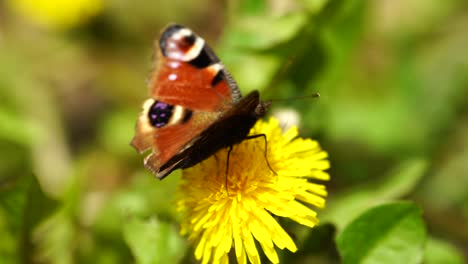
(392, 115)
(385, 234)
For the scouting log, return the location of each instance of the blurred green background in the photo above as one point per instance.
(393, 115)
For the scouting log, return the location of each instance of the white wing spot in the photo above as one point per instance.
(177, 115)
(172, 77)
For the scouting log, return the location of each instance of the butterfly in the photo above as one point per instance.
(195, 106)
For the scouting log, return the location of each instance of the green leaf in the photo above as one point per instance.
(124, 122)
(449, 177)
(143, 197)
(438, 251)
(342, 209)
(245, 65)
(314, 6)
(255, 32)
(55, 238)
(252, 7)
(153, 241)
(9, 131)
(25, 205)
(390, 233)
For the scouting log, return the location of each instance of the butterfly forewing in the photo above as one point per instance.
(199, 86)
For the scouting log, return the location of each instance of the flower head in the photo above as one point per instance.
(57, 14)
(231, 210)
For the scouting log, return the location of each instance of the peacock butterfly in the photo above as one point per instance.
(195, 108)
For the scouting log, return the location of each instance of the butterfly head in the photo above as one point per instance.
(262, 108)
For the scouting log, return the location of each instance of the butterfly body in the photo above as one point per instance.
(195, 107)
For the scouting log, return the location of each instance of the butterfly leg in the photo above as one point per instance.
(227, 168)
(265, 150)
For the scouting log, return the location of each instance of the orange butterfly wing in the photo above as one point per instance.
(190, 82)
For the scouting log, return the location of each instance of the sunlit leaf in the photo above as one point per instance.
(390, 233)
(314, 6)
(10, 131)
(439, 251)
(154, 241)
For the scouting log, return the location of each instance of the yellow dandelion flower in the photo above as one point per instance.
(222, 211)
(57, 14)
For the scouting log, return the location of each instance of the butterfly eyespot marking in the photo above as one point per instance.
(160, 113)
(180, 115)
(187, 115)
(181, 44)
(177, 115)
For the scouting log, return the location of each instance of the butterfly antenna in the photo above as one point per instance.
(313, 96)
